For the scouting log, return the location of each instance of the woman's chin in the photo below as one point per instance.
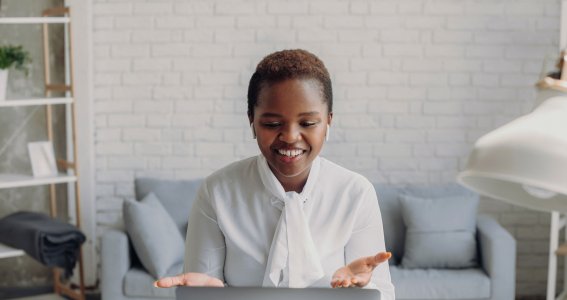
(289, 167)
(288, 172)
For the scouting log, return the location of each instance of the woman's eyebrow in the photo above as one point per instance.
(269, 114)
(310, 113)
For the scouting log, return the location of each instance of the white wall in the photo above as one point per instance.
(416, 83)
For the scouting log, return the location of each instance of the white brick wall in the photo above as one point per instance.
(416, 83)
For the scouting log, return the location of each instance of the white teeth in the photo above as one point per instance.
(290, 153)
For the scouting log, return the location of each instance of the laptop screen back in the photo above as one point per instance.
(257, 293)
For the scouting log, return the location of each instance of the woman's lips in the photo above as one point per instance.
(294, 156)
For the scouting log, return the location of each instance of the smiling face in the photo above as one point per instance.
(290, 120)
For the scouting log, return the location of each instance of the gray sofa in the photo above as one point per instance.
(123, 276)
(494, 279)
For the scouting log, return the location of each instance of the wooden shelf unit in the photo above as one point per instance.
(58, 15)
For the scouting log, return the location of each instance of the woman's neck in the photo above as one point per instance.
(293, 186)
(294, 183)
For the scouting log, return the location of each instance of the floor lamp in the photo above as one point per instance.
(525, 161)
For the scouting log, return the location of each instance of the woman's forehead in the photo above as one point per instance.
(291, 92)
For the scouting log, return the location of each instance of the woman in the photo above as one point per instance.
(286, 218)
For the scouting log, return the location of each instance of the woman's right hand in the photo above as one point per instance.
(189, 279)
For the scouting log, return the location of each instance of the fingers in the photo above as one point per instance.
(358, 272)
(189, 279)
(339, 283)
(214, 282)
(168, 282)
(344, 283)
(380, 258)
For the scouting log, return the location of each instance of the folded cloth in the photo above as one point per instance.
(52, 242)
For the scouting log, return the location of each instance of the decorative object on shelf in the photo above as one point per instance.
(10, 56)
(42, 159)
(525, 161)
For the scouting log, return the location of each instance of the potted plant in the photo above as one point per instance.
(11, 56)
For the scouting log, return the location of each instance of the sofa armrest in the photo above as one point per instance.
(116, 261)
(498, 257)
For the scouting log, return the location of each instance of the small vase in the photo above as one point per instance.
(3, 84)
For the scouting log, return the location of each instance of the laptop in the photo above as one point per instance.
(258, 293)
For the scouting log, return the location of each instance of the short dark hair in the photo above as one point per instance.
(289, 64)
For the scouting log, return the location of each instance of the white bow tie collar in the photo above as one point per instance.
(293, 253)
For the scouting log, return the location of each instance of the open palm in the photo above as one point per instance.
(359, 272)
(189, 279)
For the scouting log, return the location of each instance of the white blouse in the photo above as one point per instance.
(244, 230)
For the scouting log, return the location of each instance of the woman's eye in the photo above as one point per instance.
(272, 125)
(307, 124)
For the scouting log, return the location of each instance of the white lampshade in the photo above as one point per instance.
(525, 161)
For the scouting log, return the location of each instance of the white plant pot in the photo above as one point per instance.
(3, 84)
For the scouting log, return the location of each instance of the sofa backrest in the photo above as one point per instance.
(394, 228)
(176, 196)
(391, 210)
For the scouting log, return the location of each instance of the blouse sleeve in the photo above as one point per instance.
(368, 239)
(204, 245)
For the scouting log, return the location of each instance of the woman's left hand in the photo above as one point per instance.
(358, 272)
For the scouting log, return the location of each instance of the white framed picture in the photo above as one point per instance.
(42, 159)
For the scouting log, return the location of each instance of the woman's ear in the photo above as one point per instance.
(251, 120)
(328, 131)
(253, 130)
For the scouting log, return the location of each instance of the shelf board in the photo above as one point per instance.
(6, 251)
(35, 101)
(18, 180)
(34, 20)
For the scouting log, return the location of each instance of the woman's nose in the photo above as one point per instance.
(290, 134)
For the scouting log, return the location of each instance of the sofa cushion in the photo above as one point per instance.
(440, 283)
(176, 196)
(394, 228)
(153, 234)
(138, 283)
(440, 232)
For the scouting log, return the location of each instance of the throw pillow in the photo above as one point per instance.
(440, 232)
(176, 196)
(154, 235)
